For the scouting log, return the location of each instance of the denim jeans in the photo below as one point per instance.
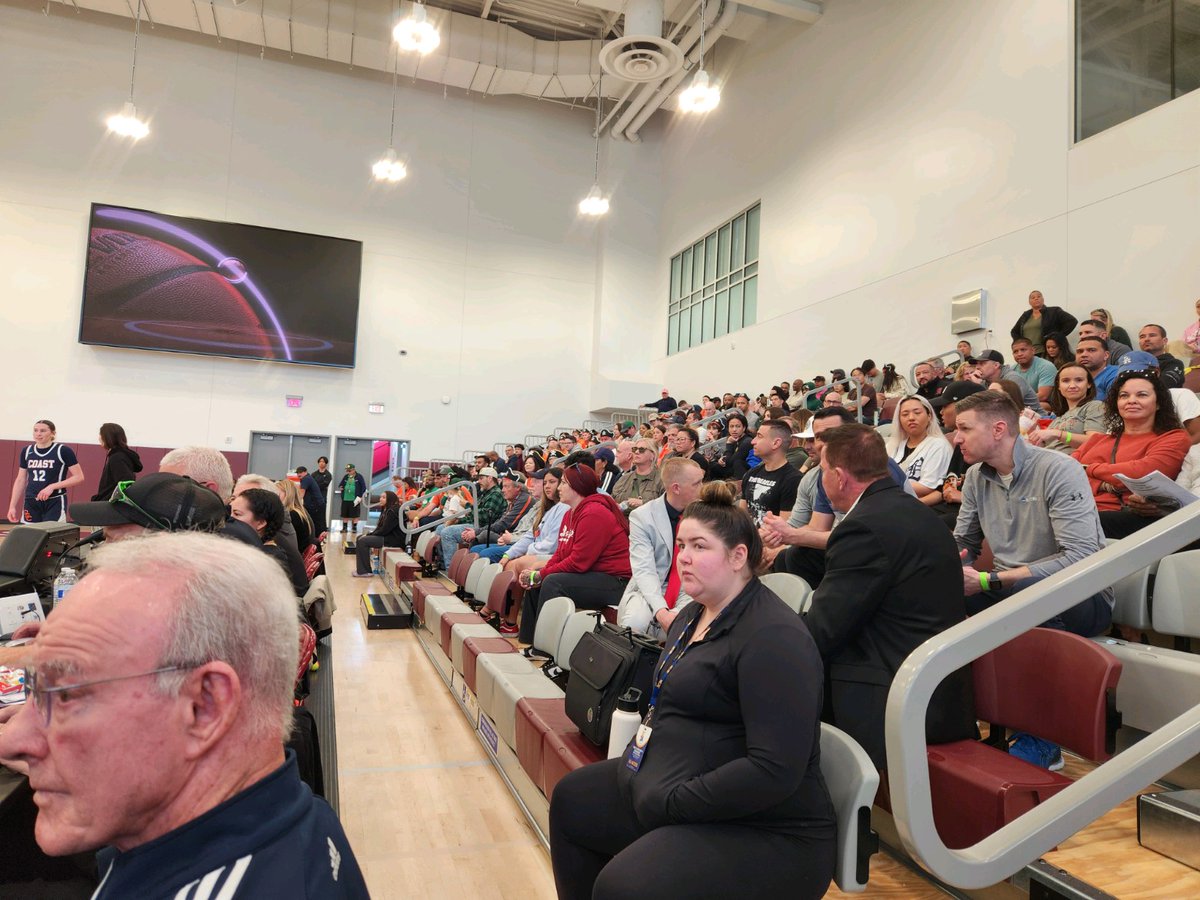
(450, 536)
(491, 552)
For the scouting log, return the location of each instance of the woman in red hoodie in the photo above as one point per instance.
(591, 564)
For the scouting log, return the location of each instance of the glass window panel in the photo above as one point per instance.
(735, 307)
(751, 269)
(722, 283)
(722, 313)
(723, 237)
(735, 277)
(697, 265)
(696, 326)
(672, 334)
(750, 305)
(686, 280)
(710, 258)
(710, 310)
(738, 251)
(676, 269)
(709, 290)
(752, 217)
(685, 320)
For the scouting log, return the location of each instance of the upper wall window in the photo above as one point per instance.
(714, 284)
(1131, 56)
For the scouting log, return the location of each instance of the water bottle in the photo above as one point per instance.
(625, 722)
(64, 582)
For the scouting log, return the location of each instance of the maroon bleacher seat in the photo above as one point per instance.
(464, 567)
(1055, 685)
(473, 647)
(610, 614)
(423, 589)
(456, 561)
(499, 591)
(450, 619)
(537, 717)
(563, 752)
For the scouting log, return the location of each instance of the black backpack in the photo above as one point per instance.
(604, 665)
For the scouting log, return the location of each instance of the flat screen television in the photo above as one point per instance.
(160, 282)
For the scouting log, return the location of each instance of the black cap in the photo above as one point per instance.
(513, 475)
(160, 502)
(955, 392)
(992, 355)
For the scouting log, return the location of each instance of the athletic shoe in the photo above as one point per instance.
(531, 653)
(1036, 750)
(508, 628)
(363, 574)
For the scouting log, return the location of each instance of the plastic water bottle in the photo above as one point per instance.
(625, 722)
(64, 582)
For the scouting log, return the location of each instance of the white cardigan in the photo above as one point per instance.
(928, 463)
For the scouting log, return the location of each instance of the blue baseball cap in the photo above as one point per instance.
(1137, 361)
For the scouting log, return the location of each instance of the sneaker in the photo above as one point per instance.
(1036, 750)
(363, 574)
(509, 628)
(532, 653)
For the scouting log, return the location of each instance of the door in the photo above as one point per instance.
(376, 459)
(275, 454)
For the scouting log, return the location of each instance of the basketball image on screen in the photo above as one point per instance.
(162, 282)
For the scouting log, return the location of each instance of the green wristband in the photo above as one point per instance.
(1066, 437)
(983, 581)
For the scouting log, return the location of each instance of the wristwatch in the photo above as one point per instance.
(994, 581)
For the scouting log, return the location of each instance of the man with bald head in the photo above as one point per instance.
(161, 696)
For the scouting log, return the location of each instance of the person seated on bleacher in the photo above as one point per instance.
(262, 510)
(1058, 350)
(642, 483)
(490, 506)
(775, 531)
(1078, 414)
(1092, 354)
(591, 563)
(989, 364)
(284, 537)
(1144, 436)
(893, 385)
(771, 485)
(1038, 373)
(387, 533)
(1098, 329)
(653, 596)
(928, 384)
(861, 397)
(796, 455)
(513, 489)
(607, 469)
(721, 792)
(730, 458)
(918, 445)
(1152, 339)
(160, 703)
(503, 544)
(687, 446)
(1034, 508)
(1187, 405)
(302, 523)
(742, 403)
(947, 501)
(891, 582)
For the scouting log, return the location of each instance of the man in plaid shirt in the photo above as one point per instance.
(491, 506)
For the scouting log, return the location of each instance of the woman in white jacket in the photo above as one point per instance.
(918, 445)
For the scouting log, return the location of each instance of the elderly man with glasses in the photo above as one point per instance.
(161, 695)
(642, 483)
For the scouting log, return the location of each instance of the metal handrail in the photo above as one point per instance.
(468, 456)
(912, 370)
(419, 501)
(1022, 841)
(847, 380)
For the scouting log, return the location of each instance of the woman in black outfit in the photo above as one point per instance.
(720, 794)
(387, 533)
(121, 464)
(732, 459)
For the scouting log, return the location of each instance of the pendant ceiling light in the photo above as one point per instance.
(417, 32)
(595, 203)
(701, 96)
(389, 169)
(126, 123)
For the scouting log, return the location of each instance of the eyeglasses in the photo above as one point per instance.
(641, 449)
(119, 496)
(43, 697)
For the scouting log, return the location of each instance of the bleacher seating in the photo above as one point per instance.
(852, 780)
(791, 589)
(1175, 610)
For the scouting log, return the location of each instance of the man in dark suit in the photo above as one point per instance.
(893, 579)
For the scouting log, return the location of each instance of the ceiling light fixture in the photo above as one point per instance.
(390, 169)
(417, 32)
(126, 123)
(595, 203)
(701, 96)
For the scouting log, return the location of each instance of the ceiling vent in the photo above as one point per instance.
(642, 54)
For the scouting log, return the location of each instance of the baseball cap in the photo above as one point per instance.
(445, 470)
(160, 501)
(539, 475)
(987, 355)
(1137, 361)
(512, 475)
(837, 374)
(488, 470)
(955, 392)
(806, 434)
(349, 466)
(606, 433)
(606, 454)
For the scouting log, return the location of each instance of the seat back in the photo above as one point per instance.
(475, 573)
(1053, 684)
(550, 624)
(1175, 610)
(791, 589)
(852, 780)
(1131, 604)
(423, 541)
(464, 569)
(484, 585)
(498, 592)
(579, 624)
(456, 562)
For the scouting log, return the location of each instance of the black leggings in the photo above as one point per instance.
(588, 590)
(599, 850)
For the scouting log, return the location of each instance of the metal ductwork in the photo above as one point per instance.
(642, 54)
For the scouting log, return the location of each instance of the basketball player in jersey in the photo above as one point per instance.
(47, 469)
